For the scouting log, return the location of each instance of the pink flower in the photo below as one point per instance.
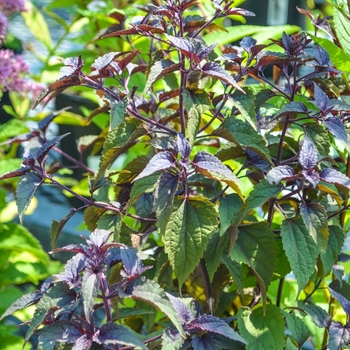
(13, 69)
(9, 7)
(3, 26)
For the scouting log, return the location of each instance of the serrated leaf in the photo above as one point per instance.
(321, 99)
(212, 255)
(279, 173)
(318, 315)
(242, 133)
(171, 340)
(319, 137)
(89, 289)
(162, 160)
(316, 221)
(341, 23)
(235, 270)
(56, 228)
(293, 108)
(144, 185)
(308, 155)
(334, 248)
(60, 295)
(70, 273)
(36, 23)
(159, 70)
(300, 249)
(187, 232)
(214, 324)
(150, 292)
(336, 126)
(117, 113)
(254, 247)
(262, 330)
(184, 312)
(261, 193)
(335, 177)
(91, 217)
(211, 167)
(297, 328)
(245, 103)
(341, 292)
(229, 208)
(111, 333)
(213, 69)
(185, 46)
(196, 104)
(26, 188)
(204, 342)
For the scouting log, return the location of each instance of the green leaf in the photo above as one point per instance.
(144, 185)
(297, 328)
(246, 106)
(132, 169)
(316, 221)
(150, 292)
(212, 255)
(26, 188)
(318, 315)
(36, 23)
(300, 249)
(242, 133)
(56, 228)
(12, 128)
(171, 340)
(190, 226)
(255, 247)
(319, 137)
(262, 330)
(91, 216)
(229, 209)
(118, 109)
(196, 104)
(111, 333)
(89, 290)
(235, 270)
(341, 23)
(334, 248)
(211, 167)
(261, 193)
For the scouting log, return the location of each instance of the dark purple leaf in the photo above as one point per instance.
(99, 237)
(46, 285)
(26, 188)
(322, 100)
(214, 324)
(321, 55)
(204, 342)
(111, 333)
(184, 312)
(133, 265)
(342, 294)
(185, 46)
(247, 43)
(279, 173)
(312, 176)
(335, 177)
(339, 336)
(83, 343)
(112, 255)
(72, 66)
(308, 155)
(165, 191)
(240, 11)
(336, 126)
(46, 147)
(70, 273)
(257, 160)
(60, 331)
(183, 147)
(74, 248)
(162, 160)
(14, 173)
(205, 52)
(213, 69)
(293, 108)
(44, 123)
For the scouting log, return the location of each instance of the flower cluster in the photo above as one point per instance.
(12, 69)
(7, 8)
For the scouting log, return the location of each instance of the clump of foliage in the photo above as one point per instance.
(233, 188)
